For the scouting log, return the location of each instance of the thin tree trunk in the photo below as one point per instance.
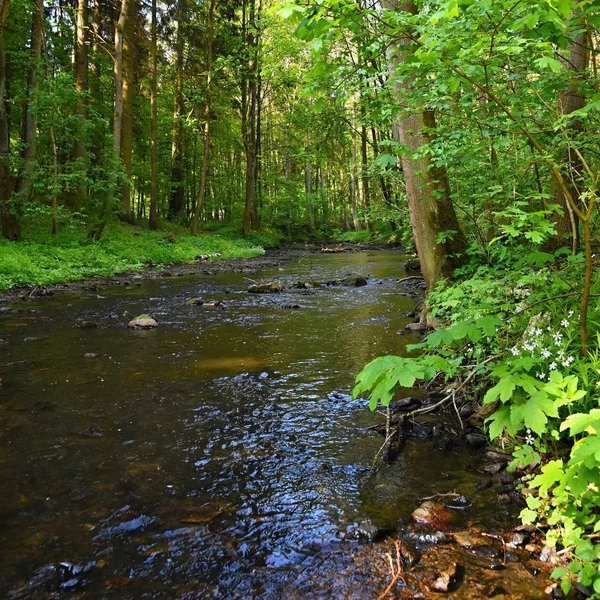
(10, 224)
(206, 146)
(127, 118)
(429, 202)
(570, 100)
(30, 119)
(354, 184)
(177, 197)
(81, 85)
(153, 222)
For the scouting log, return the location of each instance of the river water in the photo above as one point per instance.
(217, 456)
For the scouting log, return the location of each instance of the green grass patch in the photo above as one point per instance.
(43, 259)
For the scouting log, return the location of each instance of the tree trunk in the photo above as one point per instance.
(570, 100)
(430, 206)
(10, 224)
(249, 111)
(177, 197)
(206, 146)
(118, 69)
(81, 85)
(127, 118)
(153, 222)
(30, 119)
(354, 184)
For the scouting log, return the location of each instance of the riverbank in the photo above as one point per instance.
(43, 259)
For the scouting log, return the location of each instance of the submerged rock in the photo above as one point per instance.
(142, 322)
(446, 579)
(194, 302)
(87, 324)
(368, 532)
(272, 287)
(353, 281)
(433, 514)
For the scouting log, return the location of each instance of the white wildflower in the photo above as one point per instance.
(529, 439)
(515, 351)
(571, 313)
(564, 323)
(518, 309)
(552, 366)
(542, 375)
(546, 353)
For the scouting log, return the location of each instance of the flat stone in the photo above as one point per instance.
(272, 287)
(416, 327)
(468, 539)
(142, 322)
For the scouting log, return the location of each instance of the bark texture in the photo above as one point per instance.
(430, 206)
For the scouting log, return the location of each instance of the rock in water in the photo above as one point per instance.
(432, 514)
(272, 287)
(353, 281)
(445, 580)
(194, 302)
(412, 265)
(142, 322)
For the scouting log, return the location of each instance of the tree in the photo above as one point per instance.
(438, 235)
(152, 223)
(8, 218)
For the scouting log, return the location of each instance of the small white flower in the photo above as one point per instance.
(560, 354)
(552, 366)
(557, 338)
(537, 331)
(568, 361)
(571, 313)
(542, 376)
(529, 439)
(564, 323)
(515, 351)
(518, 309)
(546, 353)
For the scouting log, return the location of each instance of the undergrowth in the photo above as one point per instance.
(41, 258)
(510, 330)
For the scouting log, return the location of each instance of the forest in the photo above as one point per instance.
(137, 133)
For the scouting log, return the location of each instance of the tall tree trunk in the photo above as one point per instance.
(570, 100)
(30, 119)
(177, 197)
(127, 119)
(118, 70)
(206, 145)
(364, 175)
(354, 184)
(430, 206)
(249, 110)
(153, 221)
(81, 85)
(10, 224)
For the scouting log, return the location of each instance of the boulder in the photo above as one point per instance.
(271, 287)
(416, 327)
(142, 322)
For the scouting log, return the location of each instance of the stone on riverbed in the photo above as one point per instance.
(142, 322)
(445, 580)
(272, 287)
(411, 265)
(433, 514)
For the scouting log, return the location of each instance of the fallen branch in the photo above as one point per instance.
(396, 570)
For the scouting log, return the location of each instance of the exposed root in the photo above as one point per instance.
(396, 569)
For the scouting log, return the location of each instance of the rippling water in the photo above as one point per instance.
(219, 455)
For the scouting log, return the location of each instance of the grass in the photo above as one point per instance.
(43, 259)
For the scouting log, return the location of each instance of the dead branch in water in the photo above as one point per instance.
(396, 570)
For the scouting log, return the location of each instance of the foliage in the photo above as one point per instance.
(43, 259)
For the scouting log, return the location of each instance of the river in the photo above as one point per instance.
(217, 456)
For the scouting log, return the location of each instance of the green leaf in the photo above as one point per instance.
(499, 421)
(528, 516)
(503, 389)
(536, 410)
(580, 422)
(488, 324)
